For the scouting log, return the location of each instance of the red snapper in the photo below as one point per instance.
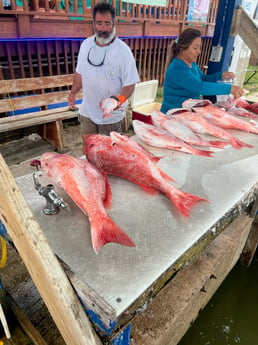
(88, 187)
(118, 155)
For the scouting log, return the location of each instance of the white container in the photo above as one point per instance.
(143, 100)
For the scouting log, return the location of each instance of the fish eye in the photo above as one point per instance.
(91, 145)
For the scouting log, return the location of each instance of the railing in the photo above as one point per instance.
(175, 10)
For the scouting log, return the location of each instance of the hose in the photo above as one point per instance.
(4, 253)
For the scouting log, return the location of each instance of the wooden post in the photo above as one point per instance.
(42, 264)
(252, 241)
(246, 28)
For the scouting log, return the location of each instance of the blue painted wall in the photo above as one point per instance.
(221, 34)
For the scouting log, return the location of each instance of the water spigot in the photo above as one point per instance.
(54, 202)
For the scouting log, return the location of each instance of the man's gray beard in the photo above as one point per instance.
(106, 40)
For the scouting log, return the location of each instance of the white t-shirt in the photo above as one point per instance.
(117, 69)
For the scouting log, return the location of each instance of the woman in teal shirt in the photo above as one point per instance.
(184, 79)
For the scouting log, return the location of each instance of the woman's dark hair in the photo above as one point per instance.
(103, 7)
(184, 40)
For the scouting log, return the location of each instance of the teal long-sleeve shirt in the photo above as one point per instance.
(183, 82)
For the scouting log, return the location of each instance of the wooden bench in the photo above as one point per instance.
(40, 94)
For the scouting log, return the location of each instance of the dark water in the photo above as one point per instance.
(231, 316)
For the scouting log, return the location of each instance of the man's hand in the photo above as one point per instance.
(120, 99)
(77, 85)
(71, 101)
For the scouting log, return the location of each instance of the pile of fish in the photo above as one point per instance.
(180, 129)
(121, 156)
(85, 181)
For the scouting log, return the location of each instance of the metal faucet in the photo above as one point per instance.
(54, 202)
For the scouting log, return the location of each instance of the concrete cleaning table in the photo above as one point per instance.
(120, 278)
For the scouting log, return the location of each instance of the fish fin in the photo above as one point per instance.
(147, 189)
(184, 201)
(155, 159)
(123, 140)
(167, 177)
(108, 231)
(107, 202)
(217, 143)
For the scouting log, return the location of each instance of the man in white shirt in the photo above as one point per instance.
(106, 68)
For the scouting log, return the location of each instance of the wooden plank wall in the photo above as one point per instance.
(33, 58)
(147, 30)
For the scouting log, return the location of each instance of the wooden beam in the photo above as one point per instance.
(36, 120)
(10, 104)
(42, 264)
(23, 26)
(126, 27)
(244, 26)
(36, 83)
(235, 22)
(252, 241)
(250, 246)
(24, 322)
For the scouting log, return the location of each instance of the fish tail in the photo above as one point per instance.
(204, 153)
(254, 130)
(195, 151)
(108, 231)
(238, 144)
(184, 201)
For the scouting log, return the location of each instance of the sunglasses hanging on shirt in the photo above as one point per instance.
(89, 58)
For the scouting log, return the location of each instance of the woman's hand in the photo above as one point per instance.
(237, 91)
(228, 75)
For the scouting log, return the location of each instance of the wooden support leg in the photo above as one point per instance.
(54, 131)
(250, 246)
(24, 322)
(252, 241)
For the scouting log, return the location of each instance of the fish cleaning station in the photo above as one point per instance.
(149, 294)
(177, 263)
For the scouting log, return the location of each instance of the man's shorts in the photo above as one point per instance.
(89, 127)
